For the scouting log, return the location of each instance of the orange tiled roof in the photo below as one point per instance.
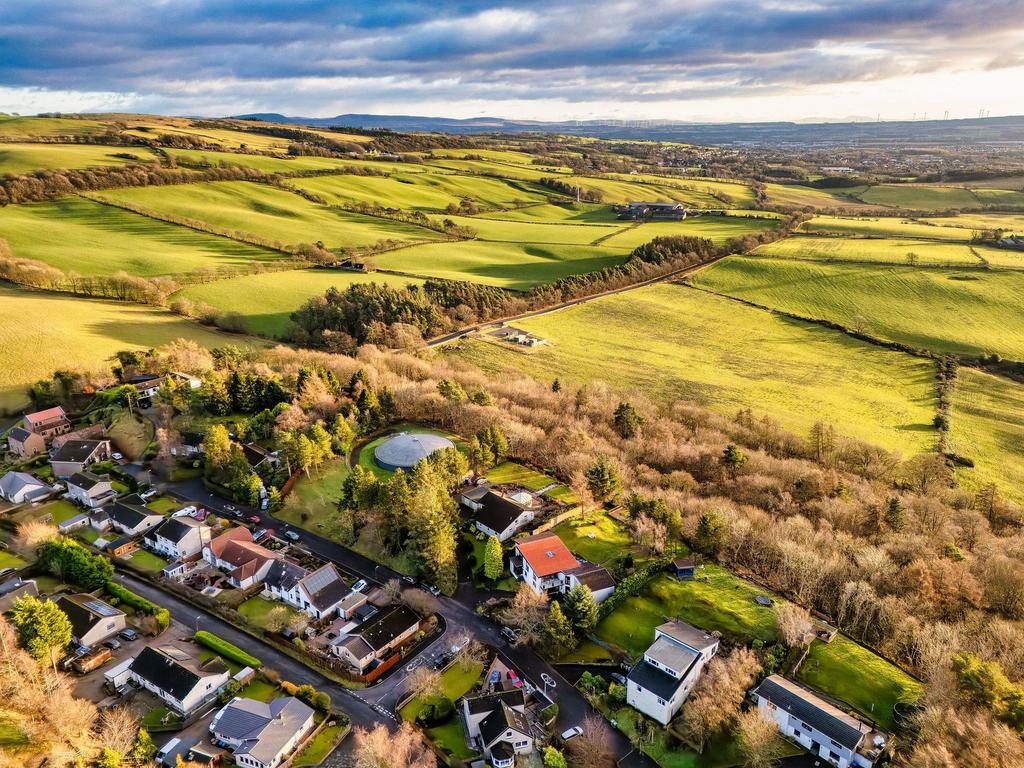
(546, 554)
(239, 533)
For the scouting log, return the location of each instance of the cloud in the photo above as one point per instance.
(316, 56)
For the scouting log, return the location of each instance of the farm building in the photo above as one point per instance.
(406, 449)
(518, 336)
(646, 211)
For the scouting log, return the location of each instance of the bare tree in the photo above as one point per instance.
(423, 681)
(420, 601)
(393, 588)
(593, 747)
(380, 748)
(31, 535)
(526, 614)
(759, 739)
(794, 624)
(716, 699)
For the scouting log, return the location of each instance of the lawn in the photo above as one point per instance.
(256, 610)
(918, 197)
(511, 472)
(131, 434)
(88, 534)
(928, 253)
(23, 158)
(148, 561)
(10, 560)
(456, 682)
(314, 496)
(159, 716)
(724, 602)
(557, 233)
(80, 333)
(266, 301)
(715, 228)
(598, 538)
(61, 510)
(17, 126)
(317, 750)
(888, 227)
(164, 505)
(518, 266)
(851, 673)
(80, 235)
(674, 343)
(270, 213)
(971, 312)
(987, 426)
(259, 689)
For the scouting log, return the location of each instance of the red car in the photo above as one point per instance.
(254, 519)
(515, 679)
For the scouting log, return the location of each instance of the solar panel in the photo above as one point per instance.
(100, 608)
(320, 579)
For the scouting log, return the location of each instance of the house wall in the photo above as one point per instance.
(67, 468)
(512, 528)
(32, 445)
(88, 498)
(106, 627)
(809, 738)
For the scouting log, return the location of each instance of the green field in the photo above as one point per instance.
(16, 126)
(598, 538)
(10, 560)
(518, 266)
(265, 301)
(987, 426)
(270, 213)
(1006, 221)
(43, 332)
(970, 312)
(919, 197)
(494, 168)
(673, 343)
(619, 190)
(851, 673)
(147, 561)
(79, 235)
(566, 233)
(716, 228)
(894, 227)
(728, 193)
(419, 191)
(577, 213)
(511, 472)
(456, 682)
(878, 251)
(190, 158)
(23, 158)
(795, 194)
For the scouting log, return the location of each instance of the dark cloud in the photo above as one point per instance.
(250, 52)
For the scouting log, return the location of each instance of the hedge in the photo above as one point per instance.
(227, 650)
(631, 586)
(139, 603)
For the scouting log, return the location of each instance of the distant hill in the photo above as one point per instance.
(975, 130)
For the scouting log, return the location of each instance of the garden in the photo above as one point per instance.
(456, 682)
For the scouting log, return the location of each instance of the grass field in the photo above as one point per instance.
(10, 560)
(269, 212)
(878, 251)
(987, 426)
(1006, 221)
(317, 750)
(456, 682)
(23, 158)
(672, 342)
(256, 611)
(315, 494)
(566, 233)
(419, 191)
(518, 266)
(75, 234)
(16, 126)
(598, 538)
(189, 158)
(80, 333)
(919, 197)
(494, 168)
(894, 227)
(577, 213)
(131, 434)
(730, 193)
(716, 228)
(970, 312)
(795, 194)
(265, 301)
(851, 673)
(511, 472)
(366, 460)
(619, 190)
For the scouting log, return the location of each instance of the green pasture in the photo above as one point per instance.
(798, 195)
(969, 312)
(497, 155)
(269, 212)
(518, 266)
(927, 253)
(872, 227)
(16, 126)
(201, 158)
(494, 168)
(715, 228)
(675, 343)
(265, 301)
(1008, 222)
(562, 233)
(43, 332)
(24, 158)
(920, 197)
(567, 211)
(987, 427)
(619, 190)
(511, 472)
(727, 193)
(79, 235)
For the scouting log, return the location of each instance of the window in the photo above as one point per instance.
(836, 743)
(521, 744)
(661, 700)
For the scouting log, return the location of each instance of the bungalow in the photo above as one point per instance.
(73, 523)
(819, 727)
(260, 458)
(318, 593)
(374, 640)
(190, 445)
(92, 620)
(186, 379)
(235, 553)
(177, 538)
(497, 514)
(658, 684)
(262, 735)
(76, 455)
(48, 423)
(683, 567)
(495, 723)
(177, 678)
(22, 488)
(547, 565)
(14, 588)
(147, 385)
(90, 490)
(131, 516)
(24, 443)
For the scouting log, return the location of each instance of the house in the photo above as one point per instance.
(262, 735)
(190, 445)
(260, 458)
(24, 443)
(235, 553)
(518, 336)
(683, 567)
(92, 620)
(547, 565)
(90, 432)
(822, 729)
(14, 588)
(177, 678)
(658, 684)
(318, 593)
(147, 385)
(22, 488)
(100, 520)
(76, 455)
(373, 640)
(659, 210)
(498, 515)
(48, 423)
(186, 379)
(349, 604)
(90, 490)
(177, 538)
(131, 516)
(73, 523)
(495, 724)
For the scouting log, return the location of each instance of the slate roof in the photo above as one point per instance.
(690, 635)
(325, 587)
(546, 554)
(14, 482)
(263, 729)
(498, 512)
(476, 493)
(593, 577)
(85, 611)
(129, 514)
(86, 480)
(173, 670)
(14, 588)
(493, 727)
(20, 435)
(256, 455)
(813, 710)
(386, 626)
(173, 528)
(77, 450)
(673, 655)
(284, 574)
(357, 646)
(486, 702)
(650, 678)
(192, 439)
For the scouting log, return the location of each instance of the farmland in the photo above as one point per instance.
(189, 158)
(672, 342)
(891, 227)
(716, 228)
(920, 197)
(265, 301)
(22, 158)
(880, 251)
(969, 312)
(564, 233)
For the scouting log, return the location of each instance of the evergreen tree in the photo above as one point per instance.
(450, 389)
(559, 638)
(709, 537)
(556, 386)
(342, 435)
(498, 443)
(603, 480)
(43, 629)
(581, 609)
(894, 514)
(733, 458)
(627, 421)
(494, 564)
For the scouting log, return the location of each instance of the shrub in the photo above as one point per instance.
(548, 714)
(288, 687)
(438, 711)
(227, 650)
(322, 701)
(141, 604)
(592, 683)
(617, 694)
(272, 676)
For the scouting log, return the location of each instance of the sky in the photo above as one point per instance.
(686, 60)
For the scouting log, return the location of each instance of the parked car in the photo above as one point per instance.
(515, 678)
(292, 535)
(254, 519)
(509, 634)
(359, 586)
(148, 494)
(128, 634)
(620, 679)
(116, 456)
(495, 677)
(571, 733)
(259, 533)
(432, 589)
(409, 580)
(112, 644)
(230, 508)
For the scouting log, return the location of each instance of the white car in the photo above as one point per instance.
(571, 733)
(292, 535)
(359, 586)
(116, 456)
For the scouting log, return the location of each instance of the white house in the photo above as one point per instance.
(547, 565)
(262, 735)
(822, 729)
(376, 638)
(319, 593)
(594, 577)
(131, 516)
(495, 724)
(22, 488)
(90, 490)
(92, 620)
(496, 514)
(177, 538)
(177, 678)
(660, 682)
